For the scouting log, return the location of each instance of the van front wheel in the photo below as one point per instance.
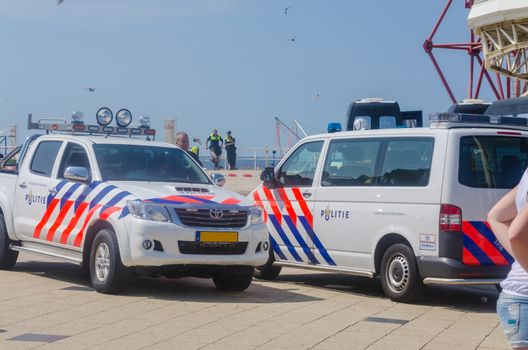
(400, 279)
(268, 271)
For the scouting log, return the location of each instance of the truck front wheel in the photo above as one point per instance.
(234, 279)
(107, 273)
(8, 257)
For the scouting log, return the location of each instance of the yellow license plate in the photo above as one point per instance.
(216, 237)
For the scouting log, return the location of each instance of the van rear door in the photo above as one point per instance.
(489, 163)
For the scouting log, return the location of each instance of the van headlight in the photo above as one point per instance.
(257, 215)
(148, 211)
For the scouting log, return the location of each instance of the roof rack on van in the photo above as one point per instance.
(459, 120)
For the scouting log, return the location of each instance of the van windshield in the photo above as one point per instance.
(492, 161)
(147, 163)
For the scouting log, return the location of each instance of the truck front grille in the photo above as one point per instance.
(202, 218)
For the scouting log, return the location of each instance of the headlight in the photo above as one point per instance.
(148, 211)
(257, 215)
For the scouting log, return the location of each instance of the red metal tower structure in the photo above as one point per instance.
(476, 64)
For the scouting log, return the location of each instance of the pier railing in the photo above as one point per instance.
(250, 158)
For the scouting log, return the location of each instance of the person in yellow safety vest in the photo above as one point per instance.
(230, 150)
(215, 143)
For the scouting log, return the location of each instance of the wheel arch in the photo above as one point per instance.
(7, 211)
(384, 243)
(91, 232)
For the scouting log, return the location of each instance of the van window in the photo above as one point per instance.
(44, 158)
(387, 122)
(351, 162)
(407, 162)
(492, 161)
(299, 168)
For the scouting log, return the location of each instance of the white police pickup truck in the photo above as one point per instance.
(100, 196)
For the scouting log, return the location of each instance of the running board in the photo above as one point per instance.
(46, 254)
(361, 273)
(462, 281)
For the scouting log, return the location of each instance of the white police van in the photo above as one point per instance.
(101, 196)
(407, 205)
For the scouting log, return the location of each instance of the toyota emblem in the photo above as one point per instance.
(216, 213)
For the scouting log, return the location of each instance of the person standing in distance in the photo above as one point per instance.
(182, 141)
(509, 222)
(230, 148)
(214, 143)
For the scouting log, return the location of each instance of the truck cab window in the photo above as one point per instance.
(74, 155)
(44, 157)
(9, 163)
(299, 168)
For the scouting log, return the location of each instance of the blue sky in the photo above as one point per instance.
(223, 63)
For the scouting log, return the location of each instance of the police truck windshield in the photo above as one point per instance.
(146, 163)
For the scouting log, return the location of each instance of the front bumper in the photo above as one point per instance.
(441, 270)
(167, 246)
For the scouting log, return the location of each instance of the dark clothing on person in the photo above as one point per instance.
(195, 157)
(230, 151)
(215, 148)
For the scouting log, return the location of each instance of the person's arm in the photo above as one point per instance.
(518, 234)
(207, 142)
(500, 218)
(221, 141)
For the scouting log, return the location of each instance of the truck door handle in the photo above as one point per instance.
(22, 185)
(307, 194)
(53, 191)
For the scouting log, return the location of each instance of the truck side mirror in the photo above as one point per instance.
(268, 177)
(77, 173)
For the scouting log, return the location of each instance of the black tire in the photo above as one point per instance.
(110, 275)
(268, 271)
(399, 274)
(8, 257)
(234, 279)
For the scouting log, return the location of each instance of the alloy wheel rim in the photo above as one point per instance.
(102, 262)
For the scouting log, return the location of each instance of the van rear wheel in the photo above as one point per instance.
(400, 279)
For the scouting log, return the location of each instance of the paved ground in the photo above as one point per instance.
(51, 299)
(46, 304)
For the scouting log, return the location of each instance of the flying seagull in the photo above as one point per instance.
(316, 97)
(292, 39)
(59, 2)
(286, 9)
(91, 89)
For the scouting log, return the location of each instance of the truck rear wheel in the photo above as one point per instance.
(234, 279)
(107, 273)
(268, 271)
(400, 279)
(8, 257)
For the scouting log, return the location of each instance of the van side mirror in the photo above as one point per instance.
(268, 177)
